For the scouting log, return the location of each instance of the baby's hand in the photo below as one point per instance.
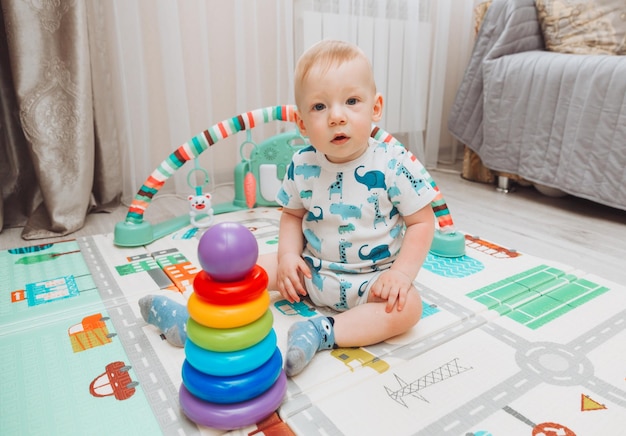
(291, 268)
(392, 286)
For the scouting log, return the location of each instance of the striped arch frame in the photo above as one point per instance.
(248, 120)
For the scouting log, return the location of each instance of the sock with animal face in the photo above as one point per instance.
(167, 315)
(306, 338)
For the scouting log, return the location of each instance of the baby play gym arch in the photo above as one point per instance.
(136, 231)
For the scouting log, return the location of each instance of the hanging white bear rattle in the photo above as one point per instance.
(200, 208)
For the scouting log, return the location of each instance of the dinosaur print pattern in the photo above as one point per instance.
(346, 210)
(308, 171)
(416, 183)
(362, 288)
(371, 179)
(352, 221)
(282, 196)
(378, 217)
(311, 216)
(346, 228)
(393, 191)
(377, 253)
(316, 278)
(340, 267)
(313, 240)
(337, 186)
(344, 286)
(290, 171)
(343, 245)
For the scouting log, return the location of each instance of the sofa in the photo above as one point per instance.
(546, 105)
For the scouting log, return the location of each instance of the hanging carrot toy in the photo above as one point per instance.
(249, 181)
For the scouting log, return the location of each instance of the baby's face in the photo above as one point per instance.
(336, 109)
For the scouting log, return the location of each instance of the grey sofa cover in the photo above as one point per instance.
(555, 119)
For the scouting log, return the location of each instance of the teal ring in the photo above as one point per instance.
(233, 362)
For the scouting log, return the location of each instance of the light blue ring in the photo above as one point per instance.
(233, 362)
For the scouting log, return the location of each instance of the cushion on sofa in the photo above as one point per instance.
(583, 26)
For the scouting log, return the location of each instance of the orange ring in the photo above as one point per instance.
(227, 316)
(240, 291)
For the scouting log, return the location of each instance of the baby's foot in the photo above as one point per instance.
(167, 315)
(304, 339)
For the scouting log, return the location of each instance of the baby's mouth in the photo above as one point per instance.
(340, 139)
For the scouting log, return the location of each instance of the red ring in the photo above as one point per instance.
(247, 289)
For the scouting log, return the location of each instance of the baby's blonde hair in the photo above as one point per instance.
(324, 55)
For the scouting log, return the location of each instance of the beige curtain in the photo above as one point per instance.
(58, 158)
(178, 67)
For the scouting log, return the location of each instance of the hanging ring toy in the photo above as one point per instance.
(200, 203)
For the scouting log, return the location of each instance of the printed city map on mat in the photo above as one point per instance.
(508, 344)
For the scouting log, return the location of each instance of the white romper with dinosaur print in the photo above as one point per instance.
(353, 227)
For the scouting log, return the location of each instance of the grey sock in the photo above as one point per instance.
(304, 339)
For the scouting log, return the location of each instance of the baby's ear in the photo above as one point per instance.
(300, 123)
(377, 112)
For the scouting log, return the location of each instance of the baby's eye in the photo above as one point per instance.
(319, 106)
(351, 101)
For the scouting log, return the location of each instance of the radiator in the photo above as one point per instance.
(396, 36)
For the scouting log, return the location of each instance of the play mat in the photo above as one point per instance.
(509, 344)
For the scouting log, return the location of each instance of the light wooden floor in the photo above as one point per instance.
(573, 231)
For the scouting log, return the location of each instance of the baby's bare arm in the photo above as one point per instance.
(291, 266)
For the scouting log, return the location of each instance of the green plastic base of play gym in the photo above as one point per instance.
(133, 235)
(448, 244)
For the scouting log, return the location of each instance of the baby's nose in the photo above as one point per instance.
(337, 116)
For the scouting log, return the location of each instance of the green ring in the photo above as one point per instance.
(231, 339)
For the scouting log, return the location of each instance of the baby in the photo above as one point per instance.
(356, 223)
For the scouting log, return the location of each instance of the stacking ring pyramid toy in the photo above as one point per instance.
(232, 373)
